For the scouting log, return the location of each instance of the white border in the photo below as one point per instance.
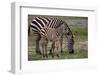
(19, 64)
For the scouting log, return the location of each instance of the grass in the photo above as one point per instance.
(80, 46)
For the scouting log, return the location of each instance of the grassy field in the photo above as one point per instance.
(80, 46)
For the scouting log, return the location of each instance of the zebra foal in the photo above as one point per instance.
(50, 35)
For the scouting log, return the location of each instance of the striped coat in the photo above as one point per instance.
(39, 23)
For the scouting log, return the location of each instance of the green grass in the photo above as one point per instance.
(80, 36)
(71, 17)
(82, 53)
(79, 30)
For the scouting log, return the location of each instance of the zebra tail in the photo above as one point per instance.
(28, 30)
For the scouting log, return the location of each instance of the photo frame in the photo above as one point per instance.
(19, 36)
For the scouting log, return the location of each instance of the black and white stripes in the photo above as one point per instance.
(38, 23)
(41, 24)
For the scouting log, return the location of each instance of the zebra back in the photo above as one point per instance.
(39, 23)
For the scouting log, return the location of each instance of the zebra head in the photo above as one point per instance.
(70, 39)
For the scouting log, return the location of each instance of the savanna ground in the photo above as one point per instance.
(80, 33)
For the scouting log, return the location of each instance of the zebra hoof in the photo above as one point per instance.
(46, 56)
(71, 52)
(58, 55)
(52, 56)
(61, 51)
(50, 53)
(38, 52)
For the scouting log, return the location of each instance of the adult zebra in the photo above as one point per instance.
(38, 23)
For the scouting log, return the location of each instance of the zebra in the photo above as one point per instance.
(50, 35)
(40, 22)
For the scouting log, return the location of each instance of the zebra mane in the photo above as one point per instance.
(69, 30)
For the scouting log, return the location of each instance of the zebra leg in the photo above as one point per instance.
(43, 43)
(57, 45)
(57, 53)
(50, 51)
(53, 49)
(46, 54)
(37, 45)
(61, 44)
(43, 51)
